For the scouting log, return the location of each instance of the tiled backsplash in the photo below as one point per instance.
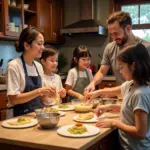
(96, 45)
(7, 52)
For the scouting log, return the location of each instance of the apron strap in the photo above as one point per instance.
(87, 73)
(24, 66)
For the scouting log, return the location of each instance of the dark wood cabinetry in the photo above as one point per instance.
(110, 142)
(44, 14)
(51, 19)
(106, 83)
(3, 105)
(17, 17)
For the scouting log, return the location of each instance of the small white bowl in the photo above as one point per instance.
(26, 6)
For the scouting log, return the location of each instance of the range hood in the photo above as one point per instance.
(87, 23)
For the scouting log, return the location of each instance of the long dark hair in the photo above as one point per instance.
(28, 35)
(79, 51)
(138, 54)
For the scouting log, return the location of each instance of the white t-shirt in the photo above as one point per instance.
(16, 75)
(52, 80)
(72, 76)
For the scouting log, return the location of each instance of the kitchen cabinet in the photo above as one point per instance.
(51, 19)
(3, 105)
(46, 15)
(106, 83)
(16, 17)
(111, 141)
(1, 18)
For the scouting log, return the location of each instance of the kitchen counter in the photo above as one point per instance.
(38, 138)
(109, 78)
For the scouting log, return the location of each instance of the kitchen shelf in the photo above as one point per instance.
(30, 12)
(14, 7)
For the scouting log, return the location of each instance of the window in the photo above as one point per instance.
(140, 14)
(142, 33)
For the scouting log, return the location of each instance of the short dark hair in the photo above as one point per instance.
(48, 51)
(139, 54)
(123, 18)
(79, 51)
(28, 35)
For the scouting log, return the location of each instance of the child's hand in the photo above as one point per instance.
(90, 96)
(105, 123)
(81, 97)
(62, 93)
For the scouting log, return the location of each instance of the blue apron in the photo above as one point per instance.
(81, 84)
(31, 83)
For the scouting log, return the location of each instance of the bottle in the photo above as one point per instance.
(13, 2)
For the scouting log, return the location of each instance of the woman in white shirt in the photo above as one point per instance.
(24, 84)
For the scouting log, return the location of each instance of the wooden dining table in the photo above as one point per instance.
(36, 138)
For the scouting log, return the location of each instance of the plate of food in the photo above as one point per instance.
(20, 122)
(87, 117)
(64, 107)
(83, 107)
(49, 109)
(78, 130)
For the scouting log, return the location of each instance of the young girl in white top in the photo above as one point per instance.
(134, 123)
(49, 60)
(24, 75)
(80, 75)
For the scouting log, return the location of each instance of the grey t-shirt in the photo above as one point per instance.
(134, 98)
(110, 54)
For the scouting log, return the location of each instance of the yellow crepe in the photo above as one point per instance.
(86, 116)
(57, 98)
(20, 121)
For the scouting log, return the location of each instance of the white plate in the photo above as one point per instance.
(92, 120)
(70, 107)
(62, 113)
(5, 123)
(92, 130)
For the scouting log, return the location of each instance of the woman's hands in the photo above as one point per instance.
(62, 93)
(47, 91)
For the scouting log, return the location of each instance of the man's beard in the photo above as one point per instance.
(123, 40)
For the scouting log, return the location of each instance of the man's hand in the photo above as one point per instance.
(89, 88)
(90, 96)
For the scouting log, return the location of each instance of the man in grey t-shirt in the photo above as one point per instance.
(120, 30)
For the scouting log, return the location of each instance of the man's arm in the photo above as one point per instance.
(100, 74)
(97, 78)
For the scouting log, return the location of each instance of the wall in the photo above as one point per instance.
(7, 52)
(96, 44)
